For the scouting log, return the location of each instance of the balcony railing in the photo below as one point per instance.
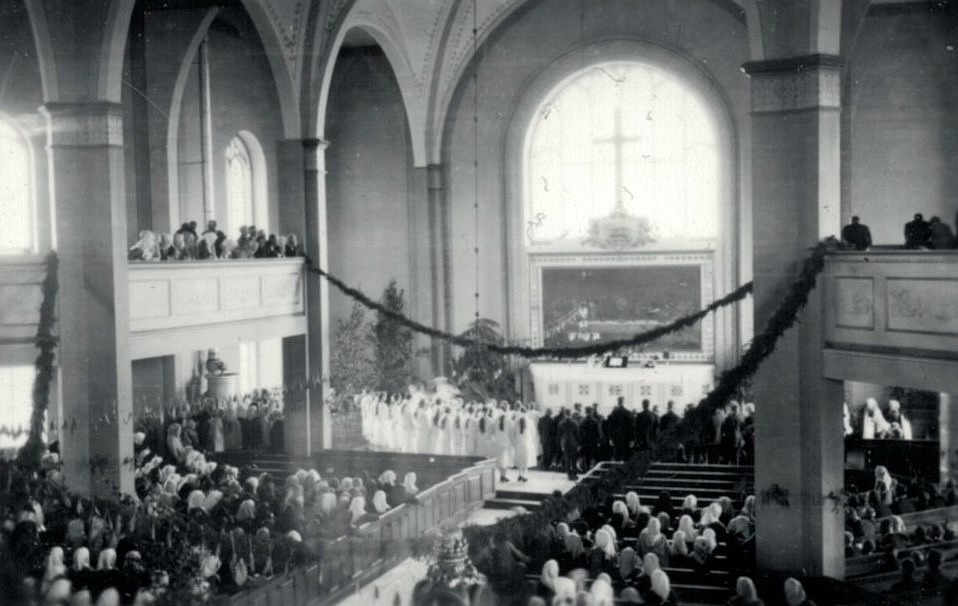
(892, 311)
(249, 297)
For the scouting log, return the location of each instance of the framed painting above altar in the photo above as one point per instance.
(585, 299)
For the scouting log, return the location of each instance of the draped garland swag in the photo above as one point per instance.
(524, 531)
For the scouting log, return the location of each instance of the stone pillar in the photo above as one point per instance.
(947, 438)
(314, 414)
(439, 263)
(796, 193)
(85, 151)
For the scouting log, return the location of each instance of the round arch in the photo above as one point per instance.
(114, 47)
(529, 99)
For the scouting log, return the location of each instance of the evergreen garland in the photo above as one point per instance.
(47, 342)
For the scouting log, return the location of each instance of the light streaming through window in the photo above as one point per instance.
(16, 205)
(625, 134)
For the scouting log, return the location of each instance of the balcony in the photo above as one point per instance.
(891, 317)
(185, 306)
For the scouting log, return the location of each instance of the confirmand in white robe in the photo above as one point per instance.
(505, 432)
(526, 442)
(424, 433)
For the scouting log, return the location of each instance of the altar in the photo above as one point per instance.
(559, 384)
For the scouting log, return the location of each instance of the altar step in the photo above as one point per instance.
(527, 495)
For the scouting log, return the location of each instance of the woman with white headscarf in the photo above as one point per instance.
(195, 500)
(678, 550)
(661, 593)
(357, 510)
(651, 540)
(795, 594)
(55, 567)
(884, 485)
(174, 443)
(379, 502)
(564, 592)
(573, 554)
(688, 528)
(409, 487)
(602, 593)
(81, 575)
(650, 563)
(745, 593)
(602, 556)
(874, 425)
(550, 572)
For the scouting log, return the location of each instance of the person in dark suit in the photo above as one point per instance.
(620, 431)
(646, 425)
(568, 432)
(669, 432)
(547, 436)
(917, 232)
(940, 235)
(590, 436)
(857, 235)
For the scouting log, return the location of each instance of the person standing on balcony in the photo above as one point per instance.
(857, 235)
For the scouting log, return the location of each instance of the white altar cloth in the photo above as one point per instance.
(560, 384)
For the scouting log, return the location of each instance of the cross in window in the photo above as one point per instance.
(619, 141)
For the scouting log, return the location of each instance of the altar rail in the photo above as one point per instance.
(171, 304)
(352, 561)
(891, 317)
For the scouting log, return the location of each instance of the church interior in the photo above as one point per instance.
(478, 302)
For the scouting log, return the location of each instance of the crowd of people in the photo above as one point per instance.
(520, 435)
(186, 244)
(625, 553)
(431, 424)
(194, 527)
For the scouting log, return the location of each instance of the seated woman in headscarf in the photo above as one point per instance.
(690, 507)
(387, 484)
(640, 515)
(678, 550)
(82, 574)
(702, 549)
(728, 510)
(106, 574)
(748, 508)
(629, 565)
(174, 443)
(380, 504)
(620, 520)
(795, 594)
(885, 486)
(602, 593)
(710, 520)
(740, 544)
(687, 526)
(602, 557)
(651, 540)
(410, 490)
(745, 594)
(357, 510)
(661, 593)
(573, 554)
(643, 582)
(564, 592)
(550, 572)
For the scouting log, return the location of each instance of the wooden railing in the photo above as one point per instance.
(351, 561)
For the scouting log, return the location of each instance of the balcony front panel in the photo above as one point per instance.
(171, 296)
(903, 302)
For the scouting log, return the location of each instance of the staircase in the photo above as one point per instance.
(706, 482)
(507, 499)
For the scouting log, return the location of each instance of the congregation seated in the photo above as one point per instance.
(193, 528)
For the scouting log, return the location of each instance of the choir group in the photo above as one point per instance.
(437, 424)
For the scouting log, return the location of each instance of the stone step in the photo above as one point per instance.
(498, 503)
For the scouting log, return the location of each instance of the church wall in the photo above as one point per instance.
(243, 97)
(537, 36)
(903, 75)
(368, 180)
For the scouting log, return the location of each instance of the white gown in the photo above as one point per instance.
(505, 432)
(424, 434)
(526, 443)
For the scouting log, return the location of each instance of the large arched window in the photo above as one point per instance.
(18, 224)
(622, 137)
(239, 186)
